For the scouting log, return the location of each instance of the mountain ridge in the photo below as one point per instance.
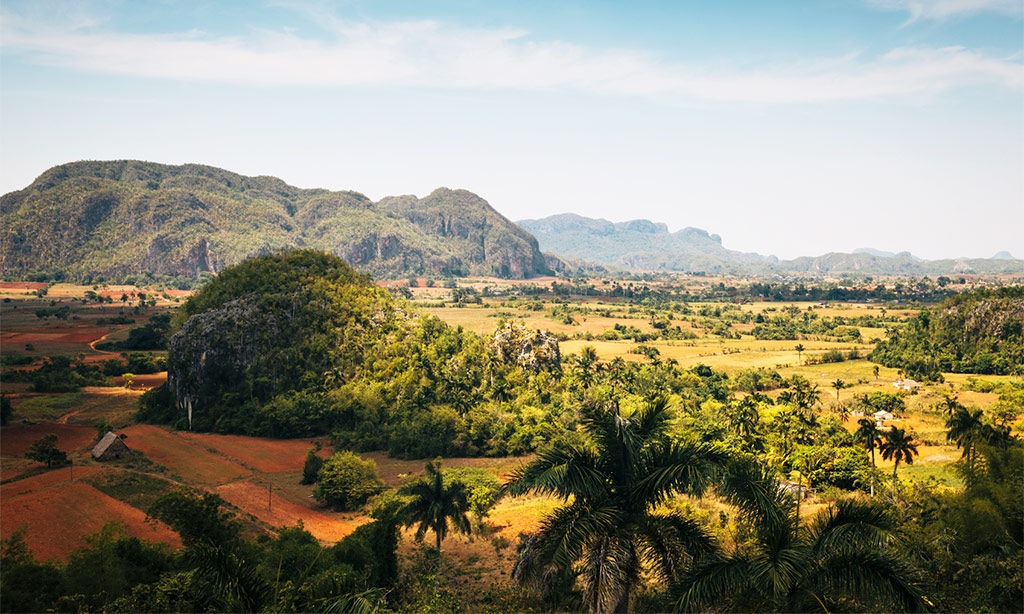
(643, 245)
(128, 217)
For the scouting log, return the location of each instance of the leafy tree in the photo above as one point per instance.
(616, 481)
(198, 519)
(435, 504)
(311, 468)
(346, 481)
(844, 554)
(898, 446)
(870, 437)
(44, 450)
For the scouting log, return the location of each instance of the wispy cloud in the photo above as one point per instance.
(942, 9)
(434, 54)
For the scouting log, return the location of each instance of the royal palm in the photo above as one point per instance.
(609, 527)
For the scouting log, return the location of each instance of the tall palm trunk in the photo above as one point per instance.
(895, 468)
(872, 471)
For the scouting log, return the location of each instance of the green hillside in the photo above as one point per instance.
(976, 332)
(129, 219)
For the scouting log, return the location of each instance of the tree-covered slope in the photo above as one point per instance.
(975, 332)
(129, 218)
(299, 343)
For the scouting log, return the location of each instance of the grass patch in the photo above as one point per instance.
(49, 407)
(138, 490)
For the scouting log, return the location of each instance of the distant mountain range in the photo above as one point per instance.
(129, 218)
(642, 245)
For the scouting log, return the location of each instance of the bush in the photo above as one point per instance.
(346, 481)
(311, 469)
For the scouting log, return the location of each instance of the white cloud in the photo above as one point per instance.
(942, 9)
(433, 54)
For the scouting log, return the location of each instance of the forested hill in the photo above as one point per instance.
(976, 332)
(124, 219)
(642, 245)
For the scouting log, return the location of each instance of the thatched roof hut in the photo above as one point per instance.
(110, 447)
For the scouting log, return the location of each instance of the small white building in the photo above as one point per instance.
(906, 384)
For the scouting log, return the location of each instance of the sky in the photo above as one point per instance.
(787, 127)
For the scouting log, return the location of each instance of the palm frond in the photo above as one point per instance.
(569, 529)
(668, 541)
(609, 567)
(711, 581)
(868, 573)
(850, 522)
(673, 467)
(754, 489)
(572, 470)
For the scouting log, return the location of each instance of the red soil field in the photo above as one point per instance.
(58, 518)
(22, 285)
(184, 458)
(252, 499)
(44, 480)
(265, 455)
(16, 439)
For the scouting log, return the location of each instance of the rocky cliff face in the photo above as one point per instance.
(115, 220)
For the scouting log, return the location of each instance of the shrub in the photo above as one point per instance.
(346, 481)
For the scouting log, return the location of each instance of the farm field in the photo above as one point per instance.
(258, 478)
(58, 516)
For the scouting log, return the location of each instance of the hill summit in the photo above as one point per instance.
(126, 218)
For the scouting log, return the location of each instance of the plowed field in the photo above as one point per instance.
(16, 439)
(252, 499)
(58, 518)
(43, 480)
(266, 455)
(188, 460)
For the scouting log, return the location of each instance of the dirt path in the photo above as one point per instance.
(92, 344)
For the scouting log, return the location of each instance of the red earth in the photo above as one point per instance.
(265, 455)
(57, 519)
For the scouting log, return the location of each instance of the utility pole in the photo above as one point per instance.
(270, 495)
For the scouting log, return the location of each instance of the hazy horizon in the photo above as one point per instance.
(789, 129)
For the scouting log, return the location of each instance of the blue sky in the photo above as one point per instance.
(789, 128)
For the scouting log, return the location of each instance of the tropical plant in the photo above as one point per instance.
(839, 385)
(435, 503)
(845, 553)
(799, 352)
(898, 446)
(610, 528)
(966, 429)
(869, 436)
(346, 481)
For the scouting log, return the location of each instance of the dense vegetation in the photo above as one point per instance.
(217, 571)
(301, 344)
(135, 221)
(976, 332)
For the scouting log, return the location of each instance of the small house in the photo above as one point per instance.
(110, 447)
(881, 416)
(906, 384)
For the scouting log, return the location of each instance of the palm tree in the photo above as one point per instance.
(966, 429)
(585, 362)
(799, 351)
(868, 435)
(841, 555)
(839, 385)
(609, 528)
(434, 503)
(898, 446)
